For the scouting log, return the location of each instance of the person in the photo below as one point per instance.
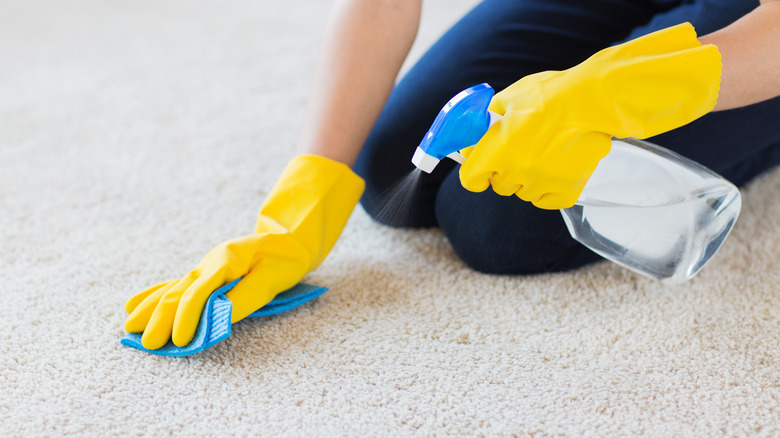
(573, 75)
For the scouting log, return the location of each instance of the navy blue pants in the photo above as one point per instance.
(499, 42)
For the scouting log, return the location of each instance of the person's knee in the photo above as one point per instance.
(395, 194)
(519, 257)
(505, 235)
(369, 167)
(381, 179)
(492, 252)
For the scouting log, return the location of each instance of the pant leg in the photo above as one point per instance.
(498, 42)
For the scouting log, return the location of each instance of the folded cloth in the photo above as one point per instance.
(215, 326)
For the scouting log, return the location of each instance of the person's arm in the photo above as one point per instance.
(309, 205)
(364, 47)
(750, 52)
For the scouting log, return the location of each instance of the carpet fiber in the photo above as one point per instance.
(135, 136)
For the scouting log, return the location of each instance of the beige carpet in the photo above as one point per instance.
(134, 136)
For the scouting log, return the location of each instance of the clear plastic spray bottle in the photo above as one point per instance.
(644, 207)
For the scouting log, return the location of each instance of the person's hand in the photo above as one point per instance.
(557, 125)
(296, 228)
(270, 263)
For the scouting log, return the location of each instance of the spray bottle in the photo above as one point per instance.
(644, 207)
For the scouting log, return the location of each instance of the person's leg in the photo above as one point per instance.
(504, 234)
(498, 42)
(739, 143)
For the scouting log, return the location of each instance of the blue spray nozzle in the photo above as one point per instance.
(459, 124)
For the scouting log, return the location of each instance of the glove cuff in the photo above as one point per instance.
(312, 200)
(652, 84)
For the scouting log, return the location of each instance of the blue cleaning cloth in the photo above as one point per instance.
(215, 326)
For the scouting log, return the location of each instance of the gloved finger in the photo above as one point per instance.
(138, 298)
(556, 201)
(158, 331)
(498, 104)
(474, 183)
(191, 305)
(531, 193)
(140, 316)
(467, 151)
(504, 185)
(476, 171)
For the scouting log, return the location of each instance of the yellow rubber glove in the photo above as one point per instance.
(557, 125)
(296, 228)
